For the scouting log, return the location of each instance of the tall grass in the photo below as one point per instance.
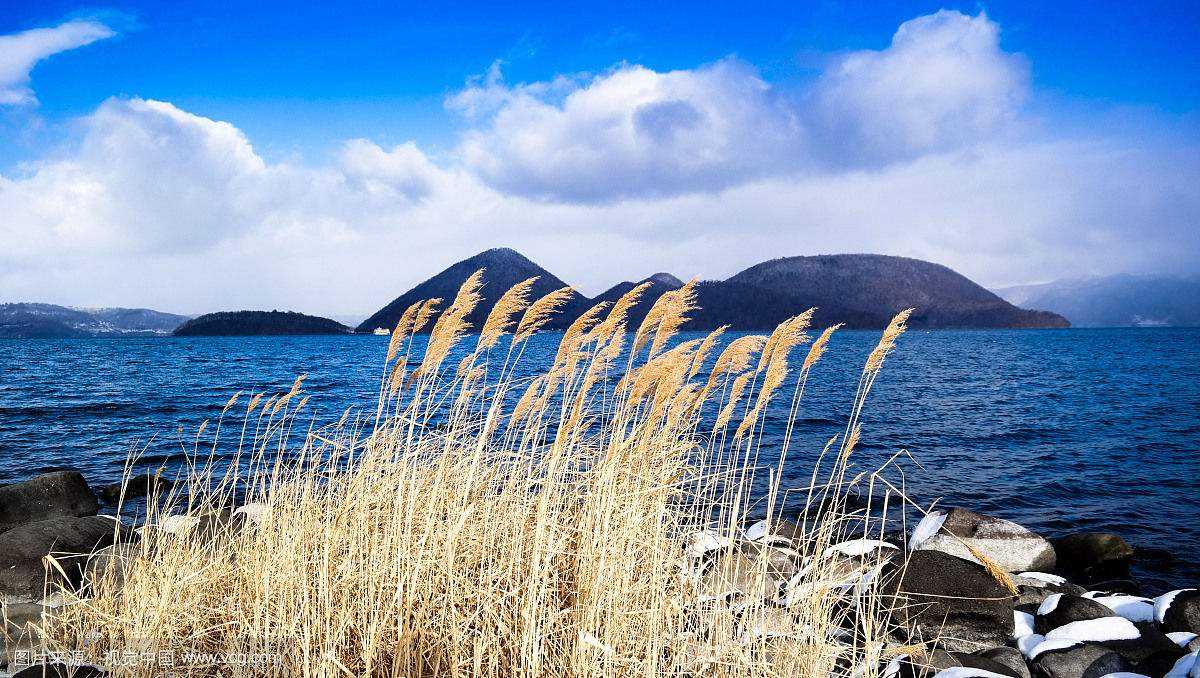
(574, 524)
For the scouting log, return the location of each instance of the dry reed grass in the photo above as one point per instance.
(480, 525)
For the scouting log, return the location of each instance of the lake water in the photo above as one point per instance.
(1060, 430)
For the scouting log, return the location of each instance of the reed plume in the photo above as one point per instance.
(515, 300)
(541, 311)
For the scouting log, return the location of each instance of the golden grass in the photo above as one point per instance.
(480, 525)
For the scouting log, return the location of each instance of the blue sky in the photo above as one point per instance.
(359, 126)
(302, 76)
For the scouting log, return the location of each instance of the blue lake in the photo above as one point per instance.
(1060, 430)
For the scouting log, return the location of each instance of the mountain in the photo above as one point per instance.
(659, 283)
(504, 268)
(49, 320)
(860, 290)
(1116, 301)
(255, 323)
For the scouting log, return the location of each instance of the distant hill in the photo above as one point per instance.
(861, 290)
(255, 323)
(504, 268)
(49, 320)
(1116, 301)
(659, 283)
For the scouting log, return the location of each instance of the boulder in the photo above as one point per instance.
(1083, 660)
(1034, 587)
(1094, 556)
(111, 562)
(134, 488)
(1009, 657)
(935, 662)
(62, 494)
(1011, 546)
(1179, 611)
(736, 571)
(71, 540)
(937, 595)
(1151, 647)
(60, 670)
(1061, 609)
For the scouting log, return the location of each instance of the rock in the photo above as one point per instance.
(1012, 547)
(733, 572)
(1061, 609)
(781, 562)
(19, 616)
(111, 562)
(1151, 648)
(936, 588)
(1094, 556)
(61, 494)
(1032, 591)
(939, 661)
(22, 574)
(1084, 660)
(60, 670)
(1009, 657)
(1178, 610)
(134, 488)
(1185, 639)
(779, 527)
(766, 621)
(1187, 666)
(201, 527)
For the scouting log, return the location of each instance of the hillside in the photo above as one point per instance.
(659, 283)
(255, 323)
(860, 290)
(48, 320)
(503, 269)
(1116, 301)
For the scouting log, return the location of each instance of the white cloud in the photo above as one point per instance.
(943, 84)
(601, 179)
(20, 52)
(630, 132)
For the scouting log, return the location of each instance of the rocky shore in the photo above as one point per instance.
(968, 595)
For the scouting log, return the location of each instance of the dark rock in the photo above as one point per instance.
(22, 574)
(1157, 663)
(135, 488)
(53, 495)
(1086, 660)
(1032, 592)
(1011, 546)
(111, 562)
(940, 660)
(1064, 609)
(1181, 612)
(1153, 642)
(1094, 556)
(1010, 657)
(937, 595)
(60, 670)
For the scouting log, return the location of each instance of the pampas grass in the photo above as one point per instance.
(481, 525)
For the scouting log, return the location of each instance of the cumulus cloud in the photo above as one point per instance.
(630, 132)
(944, 83)
(604, 178)
(20, 52)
